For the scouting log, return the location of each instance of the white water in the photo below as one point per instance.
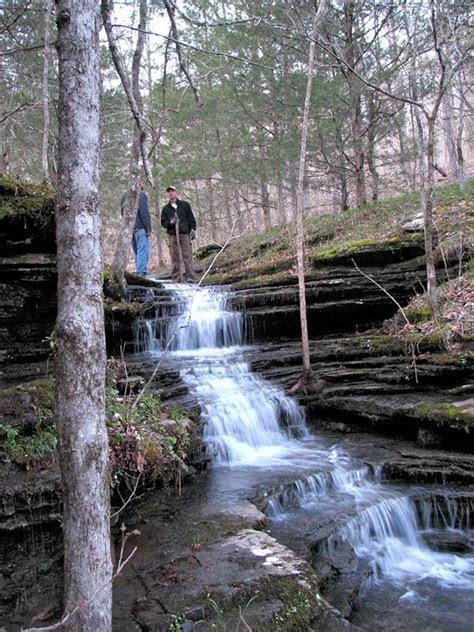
(248, 421)
(253, 423)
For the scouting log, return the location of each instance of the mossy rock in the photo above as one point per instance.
(458, 415)
(20, 198)
(371, 251)
(27, 217)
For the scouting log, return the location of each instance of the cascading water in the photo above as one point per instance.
(250, 422)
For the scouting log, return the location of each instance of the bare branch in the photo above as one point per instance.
(204, 50)
(22, 106)
(182, 61)
(7, 27)
(127, 85)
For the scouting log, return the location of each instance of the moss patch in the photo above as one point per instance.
(23, 199)
(450, 414)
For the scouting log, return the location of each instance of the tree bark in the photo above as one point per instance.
(280, 198)
(212, 213)
(448, 107)
(265, 204)
(300, 207)
(124, 240)
(79, 334)
(128, 86)
(46, 121)
(459, 136)
(355, 103)
(371, 136)
(427, 191)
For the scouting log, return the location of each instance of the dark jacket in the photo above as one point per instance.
(183, 213)
(142, 219)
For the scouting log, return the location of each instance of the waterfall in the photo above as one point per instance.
(247, 420)
(313, 488)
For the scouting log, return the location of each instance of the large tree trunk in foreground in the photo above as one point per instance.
(80, 358)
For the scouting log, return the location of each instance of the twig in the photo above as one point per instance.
(367, 276)
(411, 345)
(130, 498)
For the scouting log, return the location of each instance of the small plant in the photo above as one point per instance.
(12, 444)
(31, 451)
(176, 623)
(176, 413)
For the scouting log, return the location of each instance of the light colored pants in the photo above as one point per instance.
(141, 249)
(187, 256)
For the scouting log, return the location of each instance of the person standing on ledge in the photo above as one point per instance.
(141, 231)
(178, 219)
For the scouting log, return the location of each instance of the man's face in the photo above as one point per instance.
(172, 195)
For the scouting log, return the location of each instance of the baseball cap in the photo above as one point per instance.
(171, 188)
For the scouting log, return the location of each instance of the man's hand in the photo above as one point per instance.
(192, 234)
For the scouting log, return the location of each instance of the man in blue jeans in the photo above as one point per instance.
(141, 231)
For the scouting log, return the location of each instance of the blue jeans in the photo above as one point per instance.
(141, 248)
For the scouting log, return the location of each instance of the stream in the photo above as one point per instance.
(371, 543)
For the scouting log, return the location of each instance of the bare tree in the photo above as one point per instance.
(79, 334)
(300, 200)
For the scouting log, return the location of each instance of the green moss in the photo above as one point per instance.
(299, 611)
(440, 413)
(125, 308)
(470, 268)
(417, 315)
(25, 199)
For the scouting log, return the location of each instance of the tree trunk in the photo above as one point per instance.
(459, 135)
(212, 213)
(46, 121)
(448, 107)
(355, 101)
(299, 208)
(403, 155)
(132, 89)
(266, 205)
(281, 214)
(122, 249)
(120, 260)
(159, 237)
(371, 135)
(342, 175)
(427, 187)
(80, 357)
(428, 223)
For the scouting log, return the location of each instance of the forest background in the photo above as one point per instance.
(223, 89)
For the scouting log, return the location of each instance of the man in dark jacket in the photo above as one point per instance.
(141, 231)
(178, 219)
